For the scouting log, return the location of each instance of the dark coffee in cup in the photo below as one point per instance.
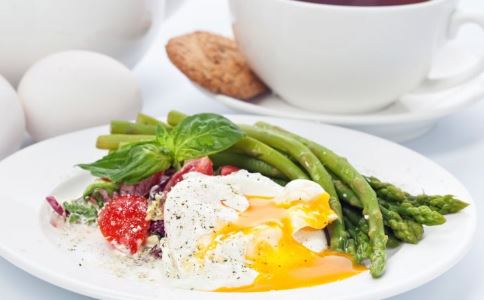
(365, 2)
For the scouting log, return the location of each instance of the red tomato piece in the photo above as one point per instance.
(201, 165)
(123, 221)
(227, 170)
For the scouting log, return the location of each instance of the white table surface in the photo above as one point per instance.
(457, 143)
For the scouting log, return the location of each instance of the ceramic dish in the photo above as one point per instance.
(82, 264)
(408, 118)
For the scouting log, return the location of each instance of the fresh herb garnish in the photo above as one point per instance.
(197, 136)
(203, 135)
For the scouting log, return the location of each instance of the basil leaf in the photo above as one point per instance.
(203, 134)
(131, 163)
(164, 137)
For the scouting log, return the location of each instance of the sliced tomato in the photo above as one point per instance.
(201, 165)
(123, 221)
(227, 170)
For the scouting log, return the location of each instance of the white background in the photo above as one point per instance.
(457, 143)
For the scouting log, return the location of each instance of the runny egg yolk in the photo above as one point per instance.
(283, 262)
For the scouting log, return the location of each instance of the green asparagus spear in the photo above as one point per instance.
(125, 127)
(445, 204)
(392, 242)
(405, 230)
(421, 214)
(112, 142)
(315, 169)
(148, 120)
(351, 214)
(361, 240)
(279, 181)
(346, 194)
(245, 162)
(350, 247)
(261, 151)
(347, 173)
(175, 117)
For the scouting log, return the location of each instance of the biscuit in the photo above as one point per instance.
(215, 63)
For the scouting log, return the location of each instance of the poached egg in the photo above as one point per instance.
(244, 232)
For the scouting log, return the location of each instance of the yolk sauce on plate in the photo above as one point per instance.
(289, 264)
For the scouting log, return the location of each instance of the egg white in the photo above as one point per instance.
(200, 205)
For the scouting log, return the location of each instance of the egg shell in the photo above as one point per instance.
(12, 130)
(73, 90)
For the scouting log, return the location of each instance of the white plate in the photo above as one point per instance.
(408, 118)
(28, 241)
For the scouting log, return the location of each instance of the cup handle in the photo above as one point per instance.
(171, 6)
(458, 19)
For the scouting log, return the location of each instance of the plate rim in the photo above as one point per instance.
(81, 287)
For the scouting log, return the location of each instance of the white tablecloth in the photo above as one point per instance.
(457, 143)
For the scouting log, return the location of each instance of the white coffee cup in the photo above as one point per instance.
(347, 59)
(31, 30)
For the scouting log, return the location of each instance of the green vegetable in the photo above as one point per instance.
(256, 149)
(175, 117)
(315, 169)
(358, 230)
(393, 242)
(245, 162)
(349, 246)
(405, 230)
(348, 174)
(446, 204)
(81, 211)
(346, 194)
(361, 241)
(201, 135)
(279, 181)
(125, 127)
(131, 163)
(197, 136)
(113, 141)
(421, 214)
(148, 120)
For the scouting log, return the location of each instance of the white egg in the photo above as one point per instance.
(72, 90)
(12, 129)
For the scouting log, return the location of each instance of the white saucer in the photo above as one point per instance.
(408, 118)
